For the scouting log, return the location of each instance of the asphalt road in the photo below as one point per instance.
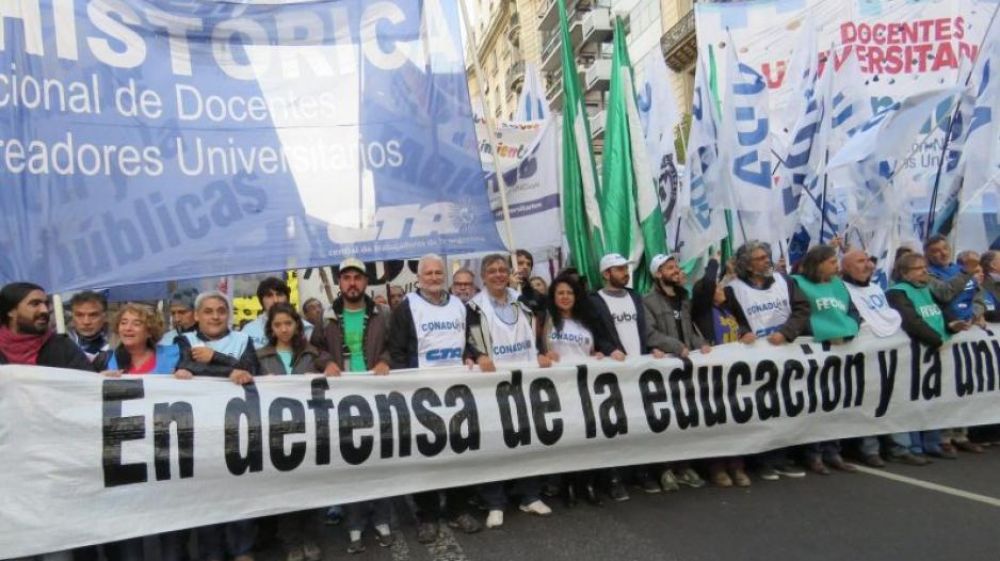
(947, 510)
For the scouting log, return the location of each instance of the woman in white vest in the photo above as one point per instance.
(505, 329)
(568, 336)
(569, 329)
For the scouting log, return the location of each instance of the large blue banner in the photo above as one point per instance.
(145, 140)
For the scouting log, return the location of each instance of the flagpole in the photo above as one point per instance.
(931, 211)
(822, 200)
(490, 128)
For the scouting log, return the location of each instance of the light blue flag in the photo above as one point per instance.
(186, 139)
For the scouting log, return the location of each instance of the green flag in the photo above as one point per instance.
(581, 212)
(633, 223)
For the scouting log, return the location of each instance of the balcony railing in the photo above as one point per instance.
(680, 44)
(598, 74)
(597, 122)
(515, 75)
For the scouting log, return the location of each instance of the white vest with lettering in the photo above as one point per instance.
(626, 319)
(440, 330)
(874, 309)
(509, 342)
(765, 309)
(574, 342)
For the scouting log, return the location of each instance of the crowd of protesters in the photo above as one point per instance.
(516, 318)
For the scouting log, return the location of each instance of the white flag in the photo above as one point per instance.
(744, 141)
(658, 113)
(532, 105)
(890, 133)
(981, 150)
(801, 74)
(702, 225)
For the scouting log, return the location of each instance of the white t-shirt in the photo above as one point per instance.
(440, 330)
(509, 342)
(574, 342)
(874, 309)
(626, 319)
(765, 309)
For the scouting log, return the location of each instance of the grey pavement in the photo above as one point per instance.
(841, 517)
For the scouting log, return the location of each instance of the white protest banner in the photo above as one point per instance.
(528, 153)
(149, 454)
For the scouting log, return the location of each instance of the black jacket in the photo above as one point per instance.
(534, 300)
(702, 302)
(59, 352)
(222, 365)
(607, 340)
(403, 337)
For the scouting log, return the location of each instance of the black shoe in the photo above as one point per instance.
(569, 495)
(617, 492)
(356, 546)
(944, 454)
(384, 540)
(649, 485)
(874, 461)
(909, 459)
(427, 532)
(591, 496)
(466, 523)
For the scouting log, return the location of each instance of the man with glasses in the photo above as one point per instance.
(463, 285)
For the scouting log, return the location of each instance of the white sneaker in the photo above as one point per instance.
(494, 519)
(537, 507)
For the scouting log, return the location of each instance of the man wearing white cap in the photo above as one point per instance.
(668, 317)
(622, 318)
(619, 310)
(668, 310)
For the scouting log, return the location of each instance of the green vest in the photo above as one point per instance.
(926, 307)
(828, 305)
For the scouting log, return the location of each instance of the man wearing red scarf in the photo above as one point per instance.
(25, 336)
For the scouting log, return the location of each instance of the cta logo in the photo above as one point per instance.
(444, 354)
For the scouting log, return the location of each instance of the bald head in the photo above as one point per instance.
(856, 265)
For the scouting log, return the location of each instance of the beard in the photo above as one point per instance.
(354, 297)
(32, 326)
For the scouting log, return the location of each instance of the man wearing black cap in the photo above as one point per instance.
(25, 336)
(181, 314)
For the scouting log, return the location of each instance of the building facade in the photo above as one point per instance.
(510, 33)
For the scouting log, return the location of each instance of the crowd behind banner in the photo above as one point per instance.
(516, 319)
